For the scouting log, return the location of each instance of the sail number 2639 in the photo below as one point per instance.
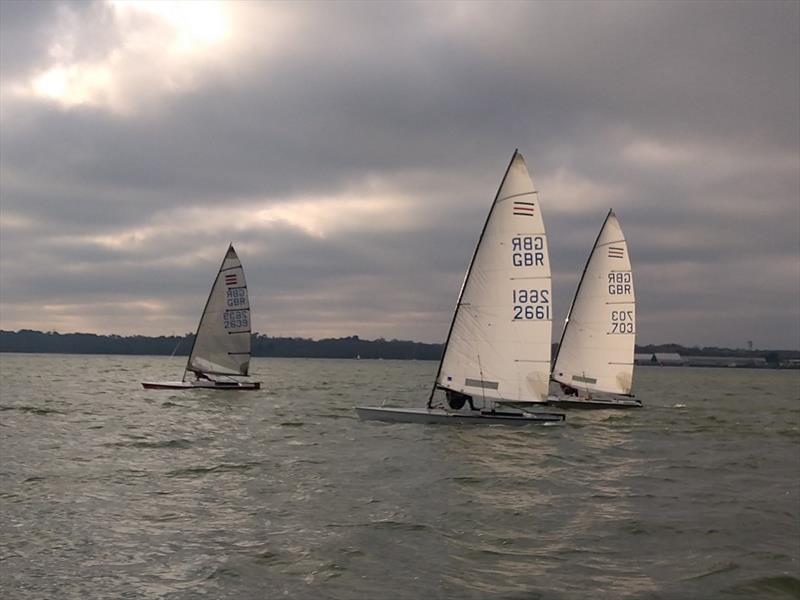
(236, 319)
(531, 304)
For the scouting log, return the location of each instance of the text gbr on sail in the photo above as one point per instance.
(527, 251)
(619, 283)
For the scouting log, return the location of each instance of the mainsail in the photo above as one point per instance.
(596, 349)
(222, 343)
(498, 347)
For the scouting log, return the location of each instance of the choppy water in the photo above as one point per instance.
(111, 491)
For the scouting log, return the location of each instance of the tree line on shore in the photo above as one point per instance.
(26, 340)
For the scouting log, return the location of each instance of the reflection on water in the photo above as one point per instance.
(579, 473)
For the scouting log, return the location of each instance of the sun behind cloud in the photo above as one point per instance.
(195, 25)
(160, 48)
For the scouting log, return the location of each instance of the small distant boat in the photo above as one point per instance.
(220, 355)
(497, 354)
(594, 361)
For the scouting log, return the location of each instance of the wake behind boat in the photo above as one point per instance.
(220, 355)
(594, 403)
(594, 362)
(456, 417)
(202, 385)
(496, 358)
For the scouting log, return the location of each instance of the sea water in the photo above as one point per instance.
(111, 491)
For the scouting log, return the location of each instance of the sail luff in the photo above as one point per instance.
(466, 278)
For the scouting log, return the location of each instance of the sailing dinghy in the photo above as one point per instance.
(220, 355)
(497, 354)
(594, 362)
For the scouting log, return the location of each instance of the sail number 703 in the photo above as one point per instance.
(531, 304)
(622, 321)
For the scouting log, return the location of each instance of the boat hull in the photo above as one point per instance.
(440, 416)
(594, 403)
(201, 385)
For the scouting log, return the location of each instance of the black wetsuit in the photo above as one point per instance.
(456, 400)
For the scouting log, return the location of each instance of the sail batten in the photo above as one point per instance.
(504, 308)
(217, 349)
(595, 354)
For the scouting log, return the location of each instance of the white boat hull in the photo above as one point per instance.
(442, 416)
(201, 385)
(594, 403)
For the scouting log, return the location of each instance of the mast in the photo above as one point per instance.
(466, 278)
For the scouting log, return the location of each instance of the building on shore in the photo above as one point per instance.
(661, 359)
(726, 361)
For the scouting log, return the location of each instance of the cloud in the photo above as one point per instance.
(115, 70)
(351, 152)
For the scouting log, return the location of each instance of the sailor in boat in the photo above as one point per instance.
(198, 375)
(568, 390)
(457, 400)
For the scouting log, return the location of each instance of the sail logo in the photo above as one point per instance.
(231, 279)
(616, 252)
(523, 209)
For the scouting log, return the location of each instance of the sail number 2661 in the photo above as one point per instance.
(531, 304)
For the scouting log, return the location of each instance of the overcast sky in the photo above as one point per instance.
(351, 152)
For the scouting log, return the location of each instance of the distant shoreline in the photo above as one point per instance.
(649, 366)
(353, 347)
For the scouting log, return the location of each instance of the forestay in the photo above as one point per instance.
(498, 348)
(596, 349)
(222, 343)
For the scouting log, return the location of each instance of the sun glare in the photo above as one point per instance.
(72, 85)
(178, 36)
(196, 24)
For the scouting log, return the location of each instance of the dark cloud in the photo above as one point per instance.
(682, 116)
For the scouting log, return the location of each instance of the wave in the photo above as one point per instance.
(715, 569)
(220, 468)
(34, 410)
(177, 443)
(386, 524)
(777, 586)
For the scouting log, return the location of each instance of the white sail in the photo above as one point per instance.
(222, 343)
(596, 349)
(498, 348)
